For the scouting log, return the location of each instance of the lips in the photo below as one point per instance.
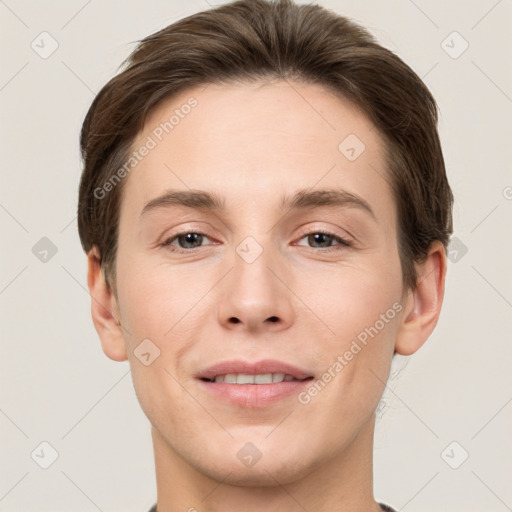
(241, 368)
(261, 378)
(253, 385)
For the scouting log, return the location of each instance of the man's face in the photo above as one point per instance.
(257, 283)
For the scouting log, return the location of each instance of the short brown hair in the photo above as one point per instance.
(250, 40)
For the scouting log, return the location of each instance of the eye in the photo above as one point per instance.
(325, 239)
(187, 241)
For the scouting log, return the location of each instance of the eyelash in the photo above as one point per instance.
(342, 242)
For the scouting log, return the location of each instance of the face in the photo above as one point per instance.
(296, 272)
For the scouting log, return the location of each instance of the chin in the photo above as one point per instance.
(267, 474)
(275, 464)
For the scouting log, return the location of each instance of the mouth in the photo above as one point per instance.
(261, 378)
(253, 385)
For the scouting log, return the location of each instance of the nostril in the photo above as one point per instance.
(274, 319)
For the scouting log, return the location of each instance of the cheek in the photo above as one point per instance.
(155, 299)
(347, 300)
(359, 309)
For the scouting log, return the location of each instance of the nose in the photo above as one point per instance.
(256, 296)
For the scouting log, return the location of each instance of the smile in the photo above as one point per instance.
(244, 378)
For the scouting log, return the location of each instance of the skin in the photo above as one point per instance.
(250, 144)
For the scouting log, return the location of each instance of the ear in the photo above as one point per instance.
(104, 309)
(422, 305)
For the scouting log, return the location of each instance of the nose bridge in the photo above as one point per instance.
(255, 295)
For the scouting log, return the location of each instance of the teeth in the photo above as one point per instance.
(263, 379)
(244, 378)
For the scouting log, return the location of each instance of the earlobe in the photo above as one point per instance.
(423, 304)
(104, 310)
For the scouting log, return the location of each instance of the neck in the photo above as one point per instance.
(342, 483)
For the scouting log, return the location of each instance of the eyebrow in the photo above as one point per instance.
(301, 199)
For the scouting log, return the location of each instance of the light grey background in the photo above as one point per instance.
(56, 385)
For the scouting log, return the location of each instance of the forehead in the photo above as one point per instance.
(257, 141)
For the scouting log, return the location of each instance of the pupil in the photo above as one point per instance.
(316, 235)
(191, 238)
